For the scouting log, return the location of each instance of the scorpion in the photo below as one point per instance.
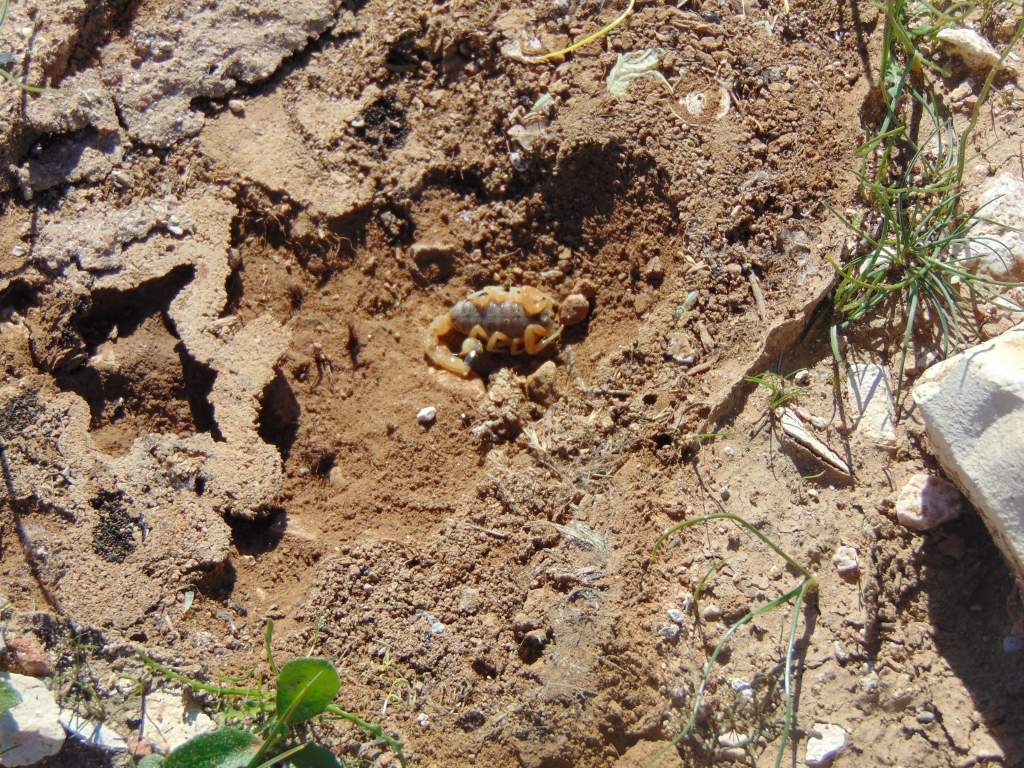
(492, 319)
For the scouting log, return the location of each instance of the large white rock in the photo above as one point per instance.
(973, 410)
(31, 730)
(997, 246)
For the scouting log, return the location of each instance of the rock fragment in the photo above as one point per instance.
(927, 502)
(846, 561)
(26, 655)
(89, 732)
(30, 731)
(977, 53)
(996, 247)
(871, 396)
(426, 416)
(826, 742)
(540, 385)
(972, 406)
(172, 719)
(574, 309)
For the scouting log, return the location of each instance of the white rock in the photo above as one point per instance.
(733, 739)
(825, 744)
(927, 502)
(669, 631)
(676, 616)
(426, 416)
(31, 730)
(997, 246)
(976, 52)
(846, 560)
(972, 406)
(744, 689)
(89, 732)
(871, 396)
(171, 720)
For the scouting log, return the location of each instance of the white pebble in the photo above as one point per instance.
(924, 717)
(846, 560)
(436, 628)
(729, 451)
(427, 415)
(423, 720)
(827, 741)
(676, 616)
(733, 739)
(725, 492)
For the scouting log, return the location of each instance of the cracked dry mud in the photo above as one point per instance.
(211, 344)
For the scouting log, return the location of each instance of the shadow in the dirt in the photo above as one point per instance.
(968, 600)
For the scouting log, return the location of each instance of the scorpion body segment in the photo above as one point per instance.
(513, 319)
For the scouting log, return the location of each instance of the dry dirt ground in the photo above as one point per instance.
(220, 246)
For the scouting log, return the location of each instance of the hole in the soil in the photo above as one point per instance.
(484, 668)
(436, 265)
(235, 289)
(198, 379)
(650, 398)
(102, 19)
(219, 582)
(127, 310)
(279, 415)
(404, 55)
(663, 441)
(532, 646)
(256, 537)
(322, 466)
(18, 297)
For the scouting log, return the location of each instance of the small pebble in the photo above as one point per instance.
(334, 477)
(423, 720)
(744, 689)
(729, 451)
(802, 378)
(725, 492)
(733, 739)
(237, 106)
(676, 616)
(826, 742)
(174, 229)
(927, 501)
(846, 561)
(924, 717)
(669, 631)
(712, 613)
(426, 416)
(574, 309)
(437, 628)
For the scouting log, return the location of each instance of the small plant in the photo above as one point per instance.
(8, 696)
(781, 389)
(916, 242)
(303, 693)
(6, 59)
(798, 595)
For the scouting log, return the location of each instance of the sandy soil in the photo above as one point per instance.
(212, 341)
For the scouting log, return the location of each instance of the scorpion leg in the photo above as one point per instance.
(498, 338)
(536, 341)
(438, 353)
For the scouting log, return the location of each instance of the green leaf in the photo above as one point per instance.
(151, 761)
(226, 748)
(8, 696)
(314, 756)
(304, 689)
